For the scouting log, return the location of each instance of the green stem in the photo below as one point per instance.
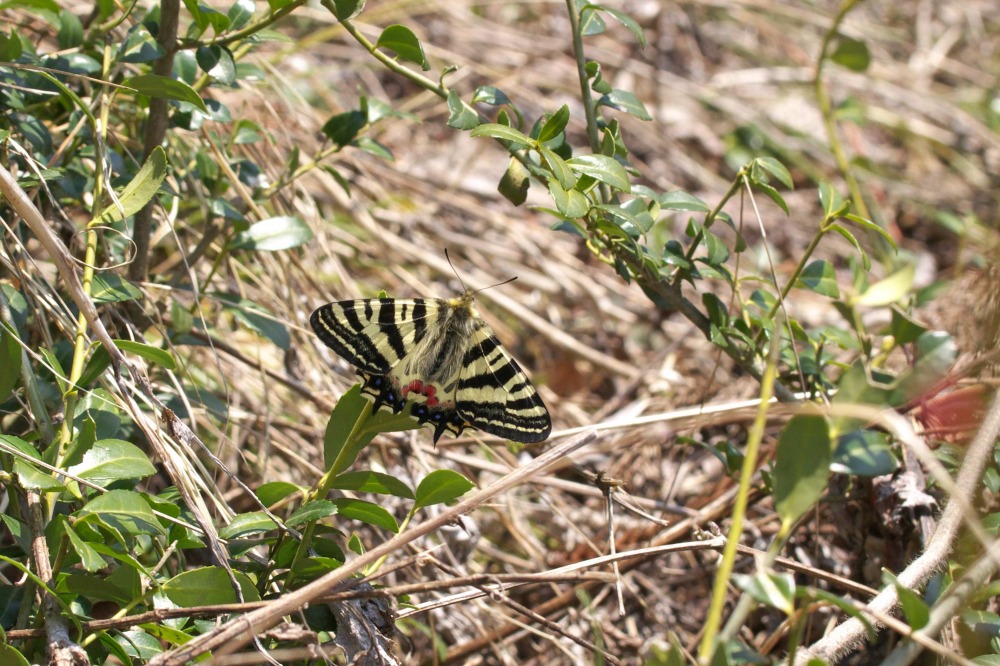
(725, 570)
(581, 70)
(826, 109)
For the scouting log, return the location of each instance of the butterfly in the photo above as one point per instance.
(441, 358)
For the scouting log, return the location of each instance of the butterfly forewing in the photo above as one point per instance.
(439, 356)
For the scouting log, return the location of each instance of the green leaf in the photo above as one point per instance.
(163, 87)
(366, 512)
(681, 200)
(802, 465)
(111, 460)
(833, 204)
(776, 590)
(602, 168)
(441, 486)
(516, 139)
(32, 478)
(273, 492)
(140, 190)
(273, 234)
(124, 510)
(773, 195)
(343, 128)
(343, 9)
(558, 167)
(554, 125)
(70, 31)
(490, 95)
(256, 318)
(515, 183)
(903, 329)
(10, 656)
(401, 39)
(10, 362)
(218, 63)
(914, 608)
(890, 290)
(160, 357)
(820, 277)
(623, 100)
(112, 288)
(240, 13)
(10, 47)
(311, 512)
(871, 226)
(371, 482)
(572, 204)
(344, 436)
(863, 453)
(208, 586)
(90, 560)
(625, 20)
(461, 115)
(778, 170)
(851, 53)
(245, 524)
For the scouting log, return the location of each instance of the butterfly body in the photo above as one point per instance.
(441, 358)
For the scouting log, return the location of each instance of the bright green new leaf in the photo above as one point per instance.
(890, 290)
(441, 486)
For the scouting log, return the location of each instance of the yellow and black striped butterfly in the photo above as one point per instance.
(439, 356)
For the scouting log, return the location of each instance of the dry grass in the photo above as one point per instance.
(720, 79)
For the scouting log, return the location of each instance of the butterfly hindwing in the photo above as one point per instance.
(441, 358)
(495, 396)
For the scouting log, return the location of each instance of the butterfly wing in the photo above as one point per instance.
(495, 396)
(374, 334)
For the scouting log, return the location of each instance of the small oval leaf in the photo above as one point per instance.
(441, 486)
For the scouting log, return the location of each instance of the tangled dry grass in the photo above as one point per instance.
(721, 80)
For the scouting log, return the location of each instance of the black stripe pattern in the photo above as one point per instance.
(438, 357)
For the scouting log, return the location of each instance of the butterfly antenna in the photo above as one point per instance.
(455, 271)
(462, 282)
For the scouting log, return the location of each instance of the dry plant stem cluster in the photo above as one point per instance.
(959, 510)
(237, 632)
